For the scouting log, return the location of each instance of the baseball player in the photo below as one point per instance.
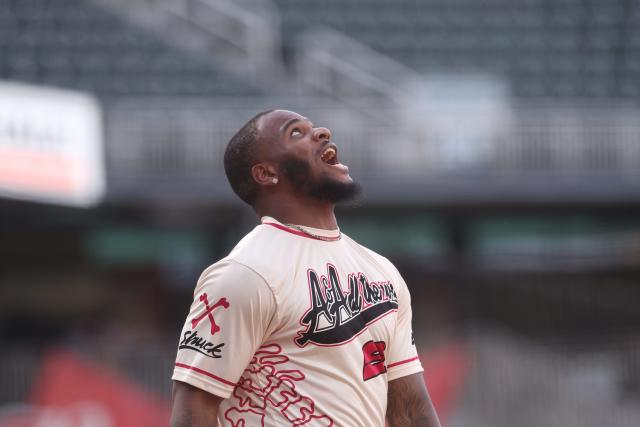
(299, 325)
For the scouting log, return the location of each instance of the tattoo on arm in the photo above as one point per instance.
(409, 404)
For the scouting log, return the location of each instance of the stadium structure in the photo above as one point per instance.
(498, 143)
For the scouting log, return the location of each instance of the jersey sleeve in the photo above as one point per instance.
(230, 316)
(402, 358)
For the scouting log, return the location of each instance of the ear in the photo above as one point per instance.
(264, 174)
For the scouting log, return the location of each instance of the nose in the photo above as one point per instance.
(321, 134)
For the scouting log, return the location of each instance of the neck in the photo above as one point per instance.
(309, 212)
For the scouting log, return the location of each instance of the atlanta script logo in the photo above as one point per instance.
(336, 316)
(192, 341)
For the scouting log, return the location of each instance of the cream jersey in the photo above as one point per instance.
(298, 327)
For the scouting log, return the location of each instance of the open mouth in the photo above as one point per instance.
(330, 155)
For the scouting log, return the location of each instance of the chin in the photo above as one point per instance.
(346, 179)
(336, 191)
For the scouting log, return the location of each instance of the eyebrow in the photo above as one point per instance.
(292, 121)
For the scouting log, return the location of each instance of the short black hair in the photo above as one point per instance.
(239, 157)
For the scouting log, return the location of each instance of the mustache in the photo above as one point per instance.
(324, 144)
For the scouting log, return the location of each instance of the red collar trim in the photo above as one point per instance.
(300, 233)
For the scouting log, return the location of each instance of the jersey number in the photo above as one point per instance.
(373, 359)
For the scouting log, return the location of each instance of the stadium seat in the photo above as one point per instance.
(491, 35)
(72, 43)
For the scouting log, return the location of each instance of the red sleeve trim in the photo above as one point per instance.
(203, 372)
(402, 362)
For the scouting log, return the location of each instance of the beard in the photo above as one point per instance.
(298, 172)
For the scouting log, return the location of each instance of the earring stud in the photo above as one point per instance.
(274, 180)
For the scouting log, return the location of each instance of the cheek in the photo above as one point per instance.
(300, 150)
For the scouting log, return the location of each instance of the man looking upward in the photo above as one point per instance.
(299, 325)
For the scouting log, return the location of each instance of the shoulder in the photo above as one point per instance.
(382, 261)
(264, 252)
(254, 248)
(373, 255)
(232, 281)
(229, 273)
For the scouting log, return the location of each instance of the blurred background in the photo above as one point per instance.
(498, 143)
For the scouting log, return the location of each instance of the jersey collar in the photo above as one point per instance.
(323, 235)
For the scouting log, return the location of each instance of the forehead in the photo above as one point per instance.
(274, 123)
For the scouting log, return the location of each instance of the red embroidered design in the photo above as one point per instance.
(222, 302)
(275, 388)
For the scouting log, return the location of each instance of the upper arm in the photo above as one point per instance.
(192, 407)
(408, 403)
(229, 319)
(402, 354)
